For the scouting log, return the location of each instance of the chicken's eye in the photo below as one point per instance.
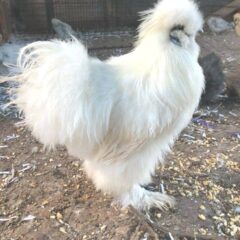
(175, 40)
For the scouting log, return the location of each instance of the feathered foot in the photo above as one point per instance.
(144, 200)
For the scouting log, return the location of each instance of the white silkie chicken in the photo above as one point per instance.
(120, 116)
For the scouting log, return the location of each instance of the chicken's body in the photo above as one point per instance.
(120, 116)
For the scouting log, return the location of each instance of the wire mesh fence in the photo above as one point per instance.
(83, 15)
(34, 16)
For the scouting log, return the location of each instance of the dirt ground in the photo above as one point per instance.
(46, 195)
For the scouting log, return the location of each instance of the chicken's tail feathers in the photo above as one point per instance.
(51, 79)
(168, 14)
(50, 54)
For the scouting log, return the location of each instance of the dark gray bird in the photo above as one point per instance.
(214, 77)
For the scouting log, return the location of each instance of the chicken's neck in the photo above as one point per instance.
(168, 70)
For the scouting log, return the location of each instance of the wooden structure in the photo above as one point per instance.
(5, 22)
(34, 16)
(229, 10)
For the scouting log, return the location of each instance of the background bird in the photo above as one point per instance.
(236, 19)
(122, 115)
(214, 76)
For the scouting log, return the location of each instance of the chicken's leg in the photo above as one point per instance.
(124, 183)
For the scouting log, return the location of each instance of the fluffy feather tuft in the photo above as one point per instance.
(167, 14)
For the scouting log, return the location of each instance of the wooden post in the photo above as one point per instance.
(5, 20)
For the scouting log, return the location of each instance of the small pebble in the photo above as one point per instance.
(62, 229)
(103, 228)
(202, 217)
(202, 207)
(203, 231)
(45, 202)
(59, 216)
(34, 149)
(237, 210)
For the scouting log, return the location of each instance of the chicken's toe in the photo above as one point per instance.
(143, 199)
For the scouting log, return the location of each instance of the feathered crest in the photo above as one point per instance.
(167, 13)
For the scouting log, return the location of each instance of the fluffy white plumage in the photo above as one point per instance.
(120, 116)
